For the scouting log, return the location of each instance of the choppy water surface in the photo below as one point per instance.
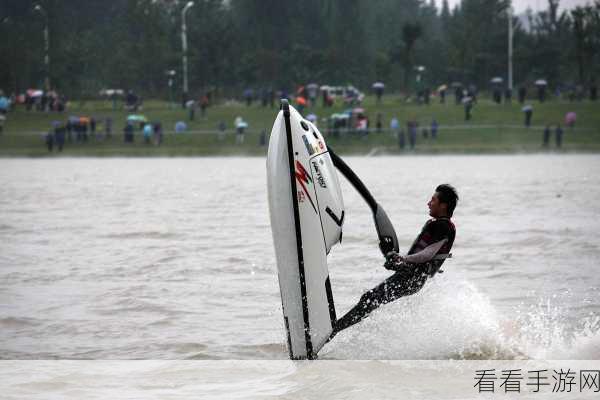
(173, 259)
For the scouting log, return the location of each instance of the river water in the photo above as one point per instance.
(133, 258)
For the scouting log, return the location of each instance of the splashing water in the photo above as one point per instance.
(452, 319)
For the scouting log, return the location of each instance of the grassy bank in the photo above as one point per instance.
(493, 129)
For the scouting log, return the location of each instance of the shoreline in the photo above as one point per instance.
(373, 152)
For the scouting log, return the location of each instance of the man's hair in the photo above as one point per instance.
(447, 194)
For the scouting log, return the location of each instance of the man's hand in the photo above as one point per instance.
(393, 261)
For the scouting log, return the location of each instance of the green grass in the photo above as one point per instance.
(493, 129)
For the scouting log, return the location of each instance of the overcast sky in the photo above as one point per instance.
(536, 5)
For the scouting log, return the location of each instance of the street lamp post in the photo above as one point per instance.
(46, 45)
(184, 49)
(510, 48)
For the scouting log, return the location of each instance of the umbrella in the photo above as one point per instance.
(137, 118)
(35, 93)
(378, 85)
(541, 82)
(110, 92)
(358, 110)
(301, 101)
(442, 87)
(311, 117)
(527, 108)
(497, 79)
(570, 118)
(84, 120)
(312, 86)
(456, 84)
(339, 116)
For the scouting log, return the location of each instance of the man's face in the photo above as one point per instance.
(436, 208)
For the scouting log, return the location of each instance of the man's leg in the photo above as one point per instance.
(402, 283)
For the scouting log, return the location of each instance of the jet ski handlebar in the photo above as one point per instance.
(385, 230)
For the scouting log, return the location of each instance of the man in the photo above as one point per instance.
(425, 257)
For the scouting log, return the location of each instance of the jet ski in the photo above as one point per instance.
(307, 215)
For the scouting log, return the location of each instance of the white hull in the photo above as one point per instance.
(307, 214)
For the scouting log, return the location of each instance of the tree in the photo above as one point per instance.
(411, 32)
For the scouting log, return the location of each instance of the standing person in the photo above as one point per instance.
(93, 127)
(434, 129)
(401, 139)
(593, 91)
(49, 140)
(2, 121)
(4, 104)
(497, 95)
(559, 136)
(522, 94)
(248, 96)
(84, 128)
(69, 130)
(191, 105)
(128, 132)
(240, 126)
(412, 133)
(541, 93)
(528, 110)
(468, 107)
(394, 126)
(158, 133)
(508, 96)
(221, 128)
(148, 132)
(443, 96)
(546, 137)
(425, 258)
(264, 97)
(379, 123)
(458, 95)
(59, 136)
(108, 127)
(43, 102)
(77, 129)
(203, 105)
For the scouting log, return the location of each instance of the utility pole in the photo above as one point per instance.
(184, 48)
(46, 46)
(510, 47)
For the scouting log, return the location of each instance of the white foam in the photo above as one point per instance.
(451, 318)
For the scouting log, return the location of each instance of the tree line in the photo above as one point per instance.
(234, 44)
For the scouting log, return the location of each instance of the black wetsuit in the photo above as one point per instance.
(409, 278)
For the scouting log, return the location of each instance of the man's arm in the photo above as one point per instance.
(396, 262)
(426, 254)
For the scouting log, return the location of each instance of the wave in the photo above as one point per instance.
(452, 319)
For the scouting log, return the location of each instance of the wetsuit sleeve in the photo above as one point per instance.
(426, 254)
